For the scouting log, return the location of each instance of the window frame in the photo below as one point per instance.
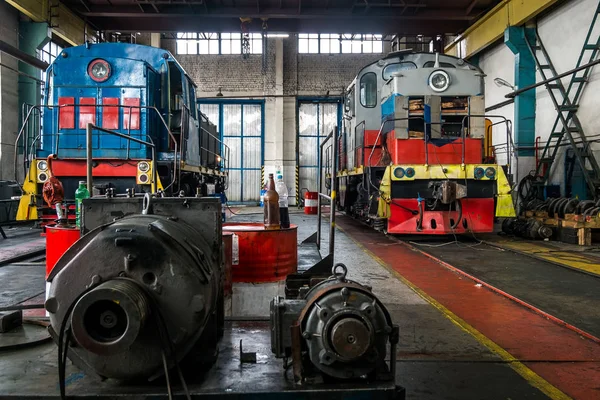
(256, 43)
(320, 39)
(360, 88)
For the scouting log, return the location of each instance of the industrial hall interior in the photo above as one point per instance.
(299, 199)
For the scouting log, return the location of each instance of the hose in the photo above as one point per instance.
(459, 210)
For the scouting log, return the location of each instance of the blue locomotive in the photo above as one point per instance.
(147, 134)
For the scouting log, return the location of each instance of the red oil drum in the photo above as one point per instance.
(228, 248)
(261, 255)
(311, 202)
(58, 240)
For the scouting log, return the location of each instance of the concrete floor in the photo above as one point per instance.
(437, 359)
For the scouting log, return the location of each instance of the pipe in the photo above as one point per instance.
(559, 76)
(88, 156)
(333, 191)
(22, 56)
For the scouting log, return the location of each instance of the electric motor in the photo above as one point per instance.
(138, 289)
(345, 329)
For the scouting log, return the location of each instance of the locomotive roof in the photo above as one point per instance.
(409, 55)
(154, 56)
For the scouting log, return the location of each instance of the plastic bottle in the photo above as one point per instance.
(80, 194)
(282, 191)
(271, 201)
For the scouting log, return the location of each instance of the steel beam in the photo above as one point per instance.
(22, 56)
(190, 23)
(63, 22)
(490, 28)
(515, 38)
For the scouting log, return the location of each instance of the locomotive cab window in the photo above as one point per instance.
(390, 69)
(368, 90)
(431, 64)
(349, 103)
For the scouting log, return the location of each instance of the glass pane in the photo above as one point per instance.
(367, 46)
(307, 151)
(396, 67)
(192, 47)
(308, 179)
(325, 45)
(302, 45)
(203, 47)
(212, 113)
(378, 46)
(356, 46)
(313, 45)
(256, 46)
(235, 155)
(234, 193)
(232, 117)
(308, 123)
(181, 47)
(368, 90)
(236, 46)
(252, 185)
(252, 120)
(303, 35)
(225, 35)
(226, 47)
(346, 46)
(334, 45)
(213, 46)
(252, 152)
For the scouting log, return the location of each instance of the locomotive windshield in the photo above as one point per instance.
(390, 69)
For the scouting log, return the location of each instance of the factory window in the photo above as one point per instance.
(216, 43)
(368, 90)
(48, 54)
(334, 43)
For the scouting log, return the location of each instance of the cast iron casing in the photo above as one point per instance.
(130, 271)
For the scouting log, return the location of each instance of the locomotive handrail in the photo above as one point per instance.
(335, 137)
(509, 141)
(88, 149)
(39, 108)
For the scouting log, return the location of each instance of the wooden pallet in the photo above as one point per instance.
(587, 230)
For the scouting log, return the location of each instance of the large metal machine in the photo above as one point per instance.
(147, 132)
(333, 328)
(143, 289)
(416, 153)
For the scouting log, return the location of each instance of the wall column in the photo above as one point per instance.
(524, 123)
(33, 37)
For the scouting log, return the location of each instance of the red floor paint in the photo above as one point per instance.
(566, 360)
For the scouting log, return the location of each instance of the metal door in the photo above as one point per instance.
(240, 125)
(315, 121)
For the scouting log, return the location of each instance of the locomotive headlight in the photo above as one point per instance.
(99, 70)
(144, 166)
(490, 172)
(42, 165)
(410, 172)
(439, 81)
(479, 173)
(399, 173)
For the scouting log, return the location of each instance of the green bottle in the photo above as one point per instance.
(80, 194)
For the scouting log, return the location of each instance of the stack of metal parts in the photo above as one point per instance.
(559, 207)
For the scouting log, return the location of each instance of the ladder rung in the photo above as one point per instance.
(579, 79)
(590, 47)
(546, 160)
(553, 86)
(571, 107)
(556, 134)
(573, 129)
(545, 66)
(536, 47)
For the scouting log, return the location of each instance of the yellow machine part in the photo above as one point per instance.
(504, 204)
(28, 204)
(488, 150)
